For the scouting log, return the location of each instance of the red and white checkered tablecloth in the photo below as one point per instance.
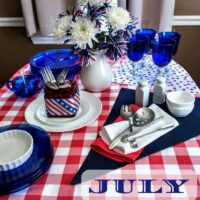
(71, 149)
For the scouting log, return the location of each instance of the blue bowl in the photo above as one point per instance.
(57, 60)
(21, 89)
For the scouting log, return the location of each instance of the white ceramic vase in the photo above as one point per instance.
(98, 76)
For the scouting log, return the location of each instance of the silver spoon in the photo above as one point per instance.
(140, 118)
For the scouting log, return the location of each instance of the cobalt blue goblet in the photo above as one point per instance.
(149, 34)
(162, 52)
(136, 50)
(165, 36)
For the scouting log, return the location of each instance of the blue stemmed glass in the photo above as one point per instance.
(136, 50)
(150, 35)
(162, 52)
(165, 36)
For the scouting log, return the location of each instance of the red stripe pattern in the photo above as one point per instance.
(62, 107)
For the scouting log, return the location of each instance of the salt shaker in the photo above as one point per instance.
(159, 91)
(142, 93)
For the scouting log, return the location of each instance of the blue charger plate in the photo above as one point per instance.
(26, 174)
(57, 60)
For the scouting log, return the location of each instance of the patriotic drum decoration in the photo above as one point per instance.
(64, 102)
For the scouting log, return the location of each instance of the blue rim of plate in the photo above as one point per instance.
(70, 59)
(39, 162)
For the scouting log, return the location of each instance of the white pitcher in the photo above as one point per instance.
(98, 76)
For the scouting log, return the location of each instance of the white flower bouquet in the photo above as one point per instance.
(95, 25)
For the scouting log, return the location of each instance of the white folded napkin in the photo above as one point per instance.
(109, 132)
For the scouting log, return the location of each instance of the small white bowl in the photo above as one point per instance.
(16, 147)
(180, 112)
(180, 99)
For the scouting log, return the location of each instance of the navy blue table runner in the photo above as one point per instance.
(189, 127)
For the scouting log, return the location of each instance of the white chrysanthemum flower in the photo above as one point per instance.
(62, 26)
(83, 31)
(118, 18)
(91, 2)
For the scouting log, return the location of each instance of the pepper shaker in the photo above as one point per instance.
(142, 93)
(160, 91)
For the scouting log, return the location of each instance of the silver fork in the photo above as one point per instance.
(127, 113)
(43, 76)
(47, 80)
(50, 74)
(62, 76)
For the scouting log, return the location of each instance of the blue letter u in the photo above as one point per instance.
(103, 186)
(120, 186)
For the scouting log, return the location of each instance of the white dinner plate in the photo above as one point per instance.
(56, 121)
(90, 109)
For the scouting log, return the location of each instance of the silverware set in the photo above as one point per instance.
(50, 80)
(140, 118)
(131, 135)
(144, 120)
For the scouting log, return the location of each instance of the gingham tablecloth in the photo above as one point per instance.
(71, 148)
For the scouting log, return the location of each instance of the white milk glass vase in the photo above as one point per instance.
(98, 76)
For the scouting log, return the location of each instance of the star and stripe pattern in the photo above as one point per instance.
(62, 107)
